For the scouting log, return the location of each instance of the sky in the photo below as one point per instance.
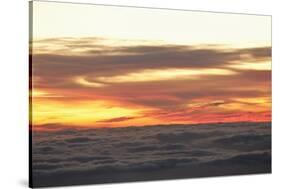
(106, 66)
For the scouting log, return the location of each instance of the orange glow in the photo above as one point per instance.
(131, 86)
(81, 113)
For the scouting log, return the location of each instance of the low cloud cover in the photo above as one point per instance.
(83, 156)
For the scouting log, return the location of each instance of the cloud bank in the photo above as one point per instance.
(70, 156)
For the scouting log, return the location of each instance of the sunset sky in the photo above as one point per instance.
(106, 66)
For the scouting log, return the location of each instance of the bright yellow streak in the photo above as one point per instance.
(256, 104)
(37, 93)
(83, 113)
(163, 74)
(256, 100)
(42, 94)
(252, 66)
(82, 81)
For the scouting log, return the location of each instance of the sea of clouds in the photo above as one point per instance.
(74, 156)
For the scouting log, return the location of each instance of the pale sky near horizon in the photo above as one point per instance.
(51, 20)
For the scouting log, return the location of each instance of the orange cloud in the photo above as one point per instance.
(101, 85)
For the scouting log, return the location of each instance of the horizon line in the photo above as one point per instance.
(57, 126)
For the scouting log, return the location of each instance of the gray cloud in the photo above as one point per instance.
(103, 153)
(121, 60)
